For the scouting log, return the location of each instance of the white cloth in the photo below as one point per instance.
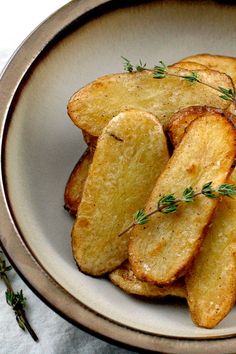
(56, 336)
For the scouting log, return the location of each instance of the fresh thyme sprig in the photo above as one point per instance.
(169, 203)
(228, 94)
(161, 71)
(17, 301)
(130, 67)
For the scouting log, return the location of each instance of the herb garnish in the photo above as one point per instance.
(130, 67)
(17, 301)
(169, 203)
(161, 71)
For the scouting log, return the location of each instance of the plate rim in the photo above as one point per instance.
(10, 237)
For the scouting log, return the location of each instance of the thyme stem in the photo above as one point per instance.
(28, 326)
(157, 210)
(169, 203)
(17, 300)
(160, 72)
(6, 281)
(233, 99)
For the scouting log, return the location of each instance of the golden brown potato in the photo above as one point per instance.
(75, 184)
(232, 109)
(189, 65)
(90, 140)
(220, 63)
(181, 120)
(130, 155)
(163, 249)
(211, 295)
(124, 278)
(93, 106)
(211, 281)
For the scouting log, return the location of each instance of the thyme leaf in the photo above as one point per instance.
(188, 195)
(127, 65)
(227, 190)
(208, 191)
(192, 77)
(159, 72)
(140, 66)
(140, 217)
(228, 94)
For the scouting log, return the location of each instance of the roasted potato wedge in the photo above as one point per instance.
(130, 155)
(124, 278)
(220, 63)
(92, 107)
(189, 65)
(211, 281)
(90, 140)
(163, 249)
(232, 108)
(206, 283)
(181, 120)
(75, 184)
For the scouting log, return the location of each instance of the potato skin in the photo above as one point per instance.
(162, 250)
(181, 120)
(211, 281)
(75, 184)
(211, 289)
(90, 140)
(220, 63)
(189, 65)
(125, 279)
(93, 106)
(130, 155)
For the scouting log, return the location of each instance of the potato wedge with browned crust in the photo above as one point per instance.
(211, 281)
(93, 106)
(181, 120)
(220, 63)
(75, 184)
(163, 249)
(124, 278)
(130, 155)
(211, 295)
(189, 65)
(90, 140)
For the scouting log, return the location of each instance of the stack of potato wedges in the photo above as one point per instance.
(147, 138)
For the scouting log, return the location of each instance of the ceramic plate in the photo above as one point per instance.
(40, 146)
